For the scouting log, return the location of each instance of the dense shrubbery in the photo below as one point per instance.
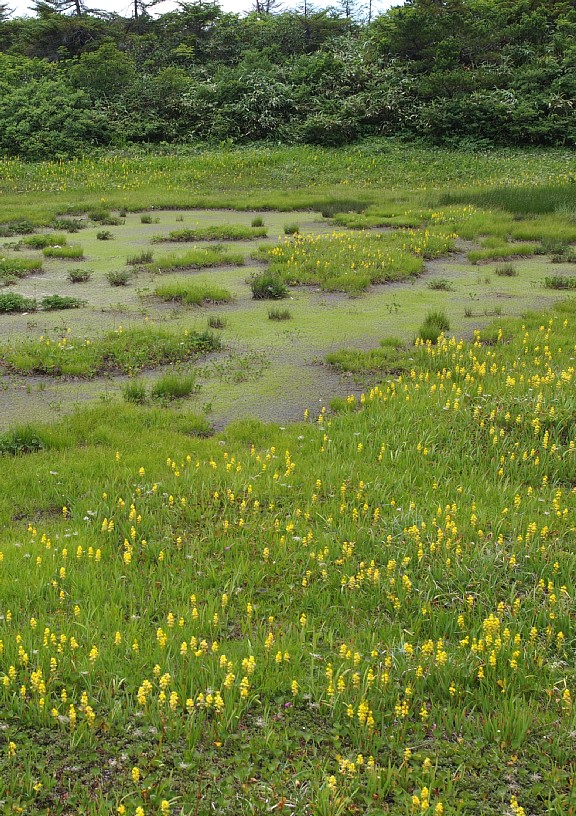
(464, 70)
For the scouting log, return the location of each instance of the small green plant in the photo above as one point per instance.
(559, 282)
(146, 218)
(141, 258)
(74, 252)
(120, 277)
(279, 314)
(21, 440)
(216, 322)
(11, 302)
(42, 241)
(134, 391)
(467, 311)
(268, 286)
(435, 323)
(174, 386)
(440, 284)
(258, 221)
(506, 271)
(104, 235)
(55, 302)
(291, 229)
(122, 212)
(79, 275)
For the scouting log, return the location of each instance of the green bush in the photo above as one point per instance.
(291, 229)
(79, 275)
(120, 277)
(268, 286)
(55, 302)
(11, 302)
(104, 235)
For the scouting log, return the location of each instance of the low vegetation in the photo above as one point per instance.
(230, 232)
(191, 293)
(197, 259)
(118, 351)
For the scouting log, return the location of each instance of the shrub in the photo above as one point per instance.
(435, 323)
(216, 322)
(279, 314)
(104, 235)
(291, 229)
(134, 391)
(146, 218)
(119, 278)
(141, 258)
(268, 286)
(506, 271)
(13, 268)
(75, 252)
(11, 302)
(174, 386)
(53, 302)
(258, 221)
(79, 275)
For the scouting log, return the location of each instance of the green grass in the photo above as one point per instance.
(67, 252)
(42, 241)
(217, 232)
(191, 293)
(361, 613)
(389, 591)
(196, 259)
(500, 252)
(173, 386)
(118, 351)
(560, 282)
(351, 261)
(389, 358)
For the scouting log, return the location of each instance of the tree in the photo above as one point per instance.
(45, 8)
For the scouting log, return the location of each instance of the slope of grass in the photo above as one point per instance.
(354, 614)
